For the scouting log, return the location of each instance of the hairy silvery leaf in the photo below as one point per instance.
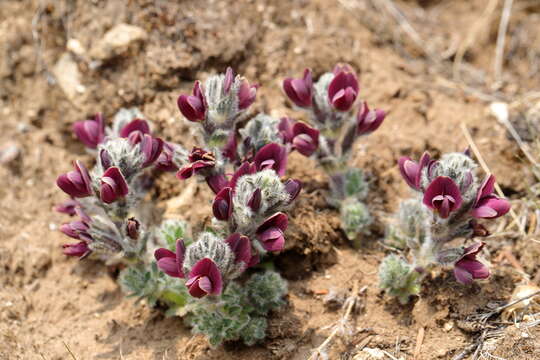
(355, 218)
(172, 230)
(266, 291)
(122, 154)
(260, 130)
(213, 247)
(399, 278)
(410, 226)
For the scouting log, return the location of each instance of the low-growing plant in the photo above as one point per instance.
(203, 278)
(330, 136)
(449, 201)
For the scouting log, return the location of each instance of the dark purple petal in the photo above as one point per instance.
(165, 160)
(343, 89)
(79, 249)
(254, 201)
(278, 220)
(467, 270)
(228, 81)
(285, 128)
(193, 107)
(443, 195)
(245, 169)
(105, 159)
(217, 182)
(133, 126)
(246, 95)
(74, 229)
(293, 188)
(229, 150)
(272, 239)
(151, 149)
(90, 132)
(180, 254)
(241, 247)
(300, 91)
(204, 279)
(67, 207)
(491, 207)
(305, 139)
(113, 185)
(273, 156)
(166, 261)
(368, 120)
(409, 170)
(222, 206)
(486, 189)
(76, 183)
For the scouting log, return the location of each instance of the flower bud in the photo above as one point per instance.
(67, 207)
(293, 188)
(468, 268)
(105, 159)
(132, 228)
(272, 156)
(79, 249)
(270, 233)
(443, 196)
(228, 80)
(217, 182)
(487, 205)
(254, 201)
(412, 171)
(165, 160)
(368, 120)
(76, 183)
(222, 206)
(246, 94)
(300, 91)
(74, 229)
(113, 185)
(305, 139)
(285, 128)
(241, 247)
(90, 132)
(343, 89)
(199, 160)
(193, 107)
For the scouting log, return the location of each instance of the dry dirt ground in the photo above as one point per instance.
(53, 307)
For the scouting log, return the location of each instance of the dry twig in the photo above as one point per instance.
(501, 39)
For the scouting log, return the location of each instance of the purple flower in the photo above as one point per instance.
(368, 120)
(204, 279)
(487, 205)
(285, 128)
(245, 169)
(246, 94)
(443, 196)
(300, 91)
(254, 201)
(76, 183)
(222, 207)
(105, 159)
(151, 149)
(467, 268)
(79, 249)
(137, 126)
(113, 185)
(165, 161)
(293, 187)
(412, 171)
(76, 229)
(229, 150)
(270, 233)
(193, 107)
(90, 132)
(228, 80)
(305, 139)
(67, 207)
(272, 156)
(171, 263)
(343, 89)
(199, 160)
(241, 247)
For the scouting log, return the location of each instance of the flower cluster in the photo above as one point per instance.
(330, 137)
(450, 202)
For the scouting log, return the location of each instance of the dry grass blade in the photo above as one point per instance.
(69, 350)
(501, 39)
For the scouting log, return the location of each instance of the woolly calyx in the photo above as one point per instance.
(399, 278)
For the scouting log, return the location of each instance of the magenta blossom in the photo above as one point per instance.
(487, 205)
(90, 132)
(151, 149)
(193, 107)
(222, 206)
(305, 139)
(246, 94)
(204, 279)
(113, 185)
(136, 126)
(79, 249)
(270, 233)
(412, 171)
(199, 160)
(468, 268)
(300, 91)
(368, 120)
(255, 200)
(165, 161)
(343, 89)
(67, 207)
(272, 156)
(228, 80)
(293, 188)
(76, 183)
(229, 150)
(241, 247)
(217, 182)
(443, 196)
(76, 229)
(171, 263)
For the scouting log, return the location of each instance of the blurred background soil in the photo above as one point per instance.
(432, 64)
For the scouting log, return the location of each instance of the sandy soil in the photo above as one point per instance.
(51, 305)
